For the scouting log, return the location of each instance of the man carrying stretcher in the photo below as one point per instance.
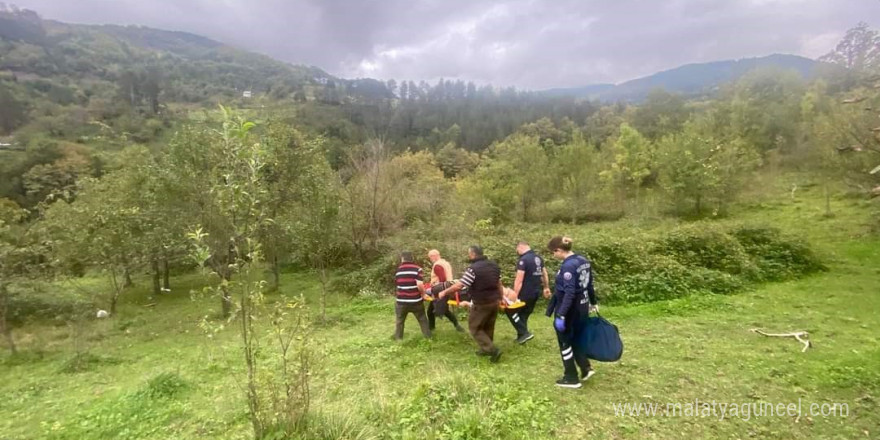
(441, 278)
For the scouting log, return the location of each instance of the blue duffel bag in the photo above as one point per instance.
(600, 340)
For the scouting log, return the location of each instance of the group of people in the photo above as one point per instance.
(571, 299)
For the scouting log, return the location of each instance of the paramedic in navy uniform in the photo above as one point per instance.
(572, 301)
(531, 276)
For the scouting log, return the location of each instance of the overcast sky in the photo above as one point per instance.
(531, 44)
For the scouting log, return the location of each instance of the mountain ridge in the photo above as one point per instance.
(688, 79)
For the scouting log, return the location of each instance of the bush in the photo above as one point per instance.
(713, 281)
(164, 386)
(378, 276)
(698, 246)
(640, 267)
(85, 361)
(38, 303)
(776, 256)
(663, 278)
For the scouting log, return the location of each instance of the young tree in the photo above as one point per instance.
(105, 227)
(698, 167)
(576, 165)
(456, 162)
(516, 176)
(289, 169)
(236, 195)
(631, 163)
(198, 163)
(369, 192)
(316, 225)
(19, 259)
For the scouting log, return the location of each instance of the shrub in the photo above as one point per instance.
(640, 267)
(163, 386)
(663, 278)
(708, 248)
(85, 361)
(38, 303)
(377, 276)
(776, 256)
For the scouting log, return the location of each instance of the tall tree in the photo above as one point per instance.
(858, 50)
(856, 115)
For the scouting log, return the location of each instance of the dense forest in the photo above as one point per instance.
(128, 151)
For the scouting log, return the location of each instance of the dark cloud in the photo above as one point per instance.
(525, 43)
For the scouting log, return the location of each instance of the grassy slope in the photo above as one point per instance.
(692, 348)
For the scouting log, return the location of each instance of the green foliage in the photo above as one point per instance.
(632, 162)
(764, 109)
(699, 258)
(457, 410)
(164, 386)
(514, 178)
(377, 276)
(777, 257)
(456, 162)
(702, 169)
(661, 113)
(124, 416)
(708, 248)
(383, 194)
(326, 427)
(36, 302)
(112, 225)
(576, 165)
(86, 361)
(13, 112)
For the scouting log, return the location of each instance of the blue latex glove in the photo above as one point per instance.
(559, 323)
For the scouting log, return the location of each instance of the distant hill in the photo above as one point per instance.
(92, 59)
(690, 79)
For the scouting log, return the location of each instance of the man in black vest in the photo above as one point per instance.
(483, 280)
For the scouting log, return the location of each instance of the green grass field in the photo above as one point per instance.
(151, 372)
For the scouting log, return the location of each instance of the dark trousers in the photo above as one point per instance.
(417, 309)
(438, 309)
(519, 318)
(572, 356)
(481, 323)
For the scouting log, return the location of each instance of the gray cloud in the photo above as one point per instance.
(524, 43)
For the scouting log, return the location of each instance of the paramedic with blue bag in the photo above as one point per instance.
(572, 301)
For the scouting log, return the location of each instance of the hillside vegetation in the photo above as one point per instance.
(179, 260)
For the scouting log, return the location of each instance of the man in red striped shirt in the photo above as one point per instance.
(410, 295)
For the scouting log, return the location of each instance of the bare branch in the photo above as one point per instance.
(801, 336)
